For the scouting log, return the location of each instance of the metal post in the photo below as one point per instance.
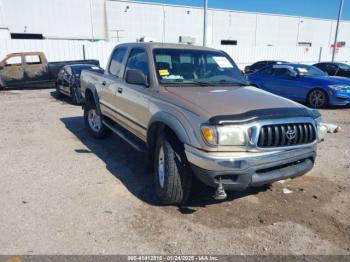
(320, 54)
(84, 55)
(337, 29)
(205, 23)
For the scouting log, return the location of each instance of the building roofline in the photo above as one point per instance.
(228, 10)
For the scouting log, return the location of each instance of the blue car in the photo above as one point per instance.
(303, 83)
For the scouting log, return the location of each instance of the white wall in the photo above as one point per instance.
(57, 50)
(56, 18)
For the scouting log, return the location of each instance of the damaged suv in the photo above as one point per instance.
(195, 114)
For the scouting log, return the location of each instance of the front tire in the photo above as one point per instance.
(318, 98)
(173, 176)
(93, 122)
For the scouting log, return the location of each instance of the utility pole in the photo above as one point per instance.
(337, 29)
(205, 23)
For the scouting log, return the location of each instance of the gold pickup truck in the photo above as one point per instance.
(195, 114)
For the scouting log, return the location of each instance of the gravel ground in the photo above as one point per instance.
(62, 192)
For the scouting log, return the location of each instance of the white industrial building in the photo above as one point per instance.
(121, 21)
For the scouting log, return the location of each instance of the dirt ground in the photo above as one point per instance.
(62, 192)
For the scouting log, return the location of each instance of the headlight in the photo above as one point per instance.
(224, 135)
(321, 130)
(340, 87)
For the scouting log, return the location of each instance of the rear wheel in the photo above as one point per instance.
(173, 175)
(93, 122)
(318, 98)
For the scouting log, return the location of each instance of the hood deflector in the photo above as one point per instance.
(269, 113)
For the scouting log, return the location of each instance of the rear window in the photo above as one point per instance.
(33, 60)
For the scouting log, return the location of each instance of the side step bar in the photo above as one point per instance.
(131, 139)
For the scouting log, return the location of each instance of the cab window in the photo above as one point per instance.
(116, 64)
(33, 60)
(14, 61)
(138, 60)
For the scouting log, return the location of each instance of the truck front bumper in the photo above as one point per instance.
(239, 170)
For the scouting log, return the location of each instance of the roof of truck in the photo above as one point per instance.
(153, 45)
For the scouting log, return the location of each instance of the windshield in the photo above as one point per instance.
(196, 67)
(304, 70)
(344, 66)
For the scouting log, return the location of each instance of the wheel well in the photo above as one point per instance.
(89, 97)
(154, 130)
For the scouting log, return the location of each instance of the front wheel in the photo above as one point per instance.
(318, 98)
(93, 122)
(173, 175)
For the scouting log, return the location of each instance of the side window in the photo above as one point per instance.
(14, 61)
(33, 60)
(266, 71)
(258, 65)
(116, 66)
(281, 72)
(138, 60)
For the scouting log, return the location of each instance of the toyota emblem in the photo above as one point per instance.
(290, 134)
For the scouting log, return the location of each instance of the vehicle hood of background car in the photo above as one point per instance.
(228, 100)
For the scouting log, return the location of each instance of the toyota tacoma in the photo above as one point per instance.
(195, 114)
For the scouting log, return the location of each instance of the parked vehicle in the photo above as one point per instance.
(193, 111)
(261, 64)
(68, 80)
(334, 69)
(31, 69)
(303, 83)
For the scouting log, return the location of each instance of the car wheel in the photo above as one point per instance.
(318, 98)
(173, 174)
(93, 122)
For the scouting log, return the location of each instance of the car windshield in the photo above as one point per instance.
(344, 66)
(196, 67)
(304, 70)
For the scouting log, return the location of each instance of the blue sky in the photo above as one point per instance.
(313, 8)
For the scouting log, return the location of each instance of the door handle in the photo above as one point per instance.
(120, 90)
(104, 83)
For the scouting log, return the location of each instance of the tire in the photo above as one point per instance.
(173, 175)
(317, 98)
(93, 122)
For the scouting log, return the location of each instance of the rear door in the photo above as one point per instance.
(12, 74)
(110, 82)
(35, 69)
(131, 99)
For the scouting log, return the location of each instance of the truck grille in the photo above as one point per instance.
(286, 135)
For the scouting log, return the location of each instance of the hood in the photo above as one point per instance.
(228, 100)
(330, 80)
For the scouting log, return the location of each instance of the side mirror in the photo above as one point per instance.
(293, 74)
(136, 77)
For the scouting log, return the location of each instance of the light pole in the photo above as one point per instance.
(205, 23)
(337, 29)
